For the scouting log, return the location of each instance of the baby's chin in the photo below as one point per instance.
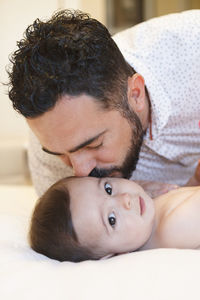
(129, 249)
(136, 246)
(147, 234)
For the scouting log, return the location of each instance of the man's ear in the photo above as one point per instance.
(136, 93)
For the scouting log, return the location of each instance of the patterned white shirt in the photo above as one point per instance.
(166, 52)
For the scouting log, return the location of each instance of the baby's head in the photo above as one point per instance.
(90, 218)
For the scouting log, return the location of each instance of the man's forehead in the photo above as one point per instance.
(68, 122)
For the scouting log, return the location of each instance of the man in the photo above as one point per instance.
(98, 112)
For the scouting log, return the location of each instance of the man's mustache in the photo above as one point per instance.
(112, 172)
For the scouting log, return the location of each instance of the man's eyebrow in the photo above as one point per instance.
(51, 152)
(87, 142)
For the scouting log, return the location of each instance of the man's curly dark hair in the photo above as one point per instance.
(71, 54)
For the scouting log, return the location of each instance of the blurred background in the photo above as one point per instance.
(15, 16)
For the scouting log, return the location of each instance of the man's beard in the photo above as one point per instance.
(132, 155)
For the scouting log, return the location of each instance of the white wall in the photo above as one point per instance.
(96, 8)
(15, 16)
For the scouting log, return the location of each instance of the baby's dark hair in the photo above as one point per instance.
(51, 230)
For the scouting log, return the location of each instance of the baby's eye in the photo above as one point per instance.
(112, 219)
(108, 188)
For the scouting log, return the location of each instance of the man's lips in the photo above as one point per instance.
(116, 174)
(142, 205)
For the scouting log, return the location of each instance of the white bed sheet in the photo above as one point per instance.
(161, 274)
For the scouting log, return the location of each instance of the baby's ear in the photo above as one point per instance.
(107, 256)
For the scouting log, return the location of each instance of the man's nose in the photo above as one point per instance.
(82, 166)
(125, 200)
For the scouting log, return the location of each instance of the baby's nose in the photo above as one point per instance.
(126, 200)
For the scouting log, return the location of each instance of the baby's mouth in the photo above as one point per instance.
(142, 205)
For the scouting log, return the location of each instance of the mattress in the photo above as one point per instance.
(24, 274)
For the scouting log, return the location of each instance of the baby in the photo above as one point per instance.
(81, 218)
